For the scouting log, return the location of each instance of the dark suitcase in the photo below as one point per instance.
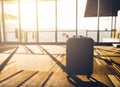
(79, 56)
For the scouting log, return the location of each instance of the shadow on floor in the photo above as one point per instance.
(109, 62)
(5, 48)
(77, 82)
(112, 51)
(2, 66)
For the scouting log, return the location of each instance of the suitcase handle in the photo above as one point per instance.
(79, 36)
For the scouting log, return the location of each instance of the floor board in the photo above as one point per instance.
(45, 66)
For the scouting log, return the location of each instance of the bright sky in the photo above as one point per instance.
(46, 15)
(66, 13)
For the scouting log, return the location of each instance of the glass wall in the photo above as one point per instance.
(92, 26)
(66, 19)
(28, 20)
(10, 9)
(52, 21)
(118, 26)
(0, 23)
(46, 20)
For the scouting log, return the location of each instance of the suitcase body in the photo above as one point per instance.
(79, 56)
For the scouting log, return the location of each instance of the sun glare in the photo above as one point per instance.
(46, 13)
(28, 14)
(27, 7)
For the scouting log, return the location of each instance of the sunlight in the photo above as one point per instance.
(28, 14)
(27, 7)
(46, 14)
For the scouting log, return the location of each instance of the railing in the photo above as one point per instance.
(49, 36)
(103, 34)
(44, 36)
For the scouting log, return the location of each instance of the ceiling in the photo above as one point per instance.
(107, 8)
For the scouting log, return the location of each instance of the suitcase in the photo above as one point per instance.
(79, 56)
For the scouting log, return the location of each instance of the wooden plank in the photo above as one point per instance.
(26, 79)
(104, 74)
(17, 79)
(61, 81)
(10, 76)
(115, 60)
(114, 80)
(98, 69)
(55, 69)
(64, 81)
(118, 77)
(34, 49)
(116, 69)
(54, 49)
(106, 81)
(3, 57)
(9, 72)
(102, 80)
(108, 69)
(97, 60)
(108, 51)
(44, 82)
(22, 50)
(36, 80)
(52, 80)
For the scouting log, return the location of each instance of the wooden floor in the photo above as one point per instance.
(45, 66)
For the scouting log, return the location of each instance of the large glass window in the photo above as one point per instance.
(66, 19)
(104, 28)
(28, 20)
(46, 20)
(118, 26)
(10, 20)
(0, 23)
(53, 21)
